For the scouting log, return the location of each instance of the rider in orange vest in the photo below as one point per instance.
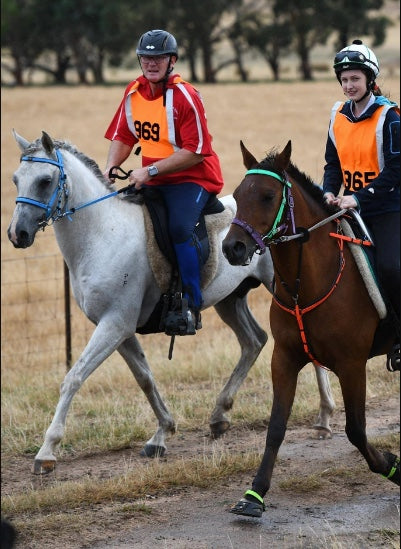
(166, 116)
(363, 157)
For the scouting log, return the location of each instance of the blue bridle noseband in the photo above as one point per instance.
(61, 190)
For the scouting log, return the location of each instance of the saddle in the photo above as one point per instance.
(365, 260)
(161, 252)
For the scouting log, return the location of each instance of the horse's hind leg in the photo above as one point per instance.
(96, 351)
(234, 311)
(133, 354)
(353, 386)
(327, 404)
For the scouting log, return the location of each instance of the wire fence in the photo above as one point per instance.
(40, 320)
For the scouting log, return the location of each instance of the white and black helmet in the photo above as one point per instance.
(356, 56)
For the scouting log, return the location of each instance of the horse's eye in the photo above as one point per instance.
(268, 196)
(45, 181)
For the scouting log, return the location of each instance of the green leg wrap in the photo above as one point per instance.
(394, 470)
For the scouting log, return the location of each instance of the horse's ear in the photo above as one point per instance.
(47, 142)
(248, 159)
(21, 142)
(282, 160)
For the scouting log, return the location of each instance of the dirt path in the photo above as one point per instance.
(358, 510)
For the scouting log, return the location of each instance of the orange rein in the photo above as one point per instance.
(298, 312)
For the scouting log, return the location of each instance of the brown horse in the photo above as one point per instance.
(321, 311)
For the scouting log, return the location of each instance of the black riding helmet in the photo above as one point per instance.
(157, 42)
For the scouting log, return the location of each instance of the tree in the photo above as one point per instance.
(311, 22)
(308, 24)
(17, 36)
(264, 32)
(199, 28)
(350, 24)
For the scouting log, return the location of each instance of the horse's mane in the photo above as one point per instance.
(313, 190)
(88, 162)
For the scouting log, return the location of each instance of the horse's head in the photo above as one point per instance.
(261, 198)
(40, 187)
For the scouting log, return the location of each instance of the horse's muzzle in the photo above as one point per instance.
(236, 252)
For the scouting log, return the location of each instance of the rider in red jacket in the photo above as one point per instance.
(166, 116)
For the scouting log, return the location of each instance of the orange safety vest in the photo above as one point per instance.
(359, 146)
(153, 124)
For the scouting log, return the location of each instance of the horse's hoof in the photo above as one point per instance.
(43, 466)
(394, 468)
(248, 508)
(152, 451)
(219, 428)
(323, 433)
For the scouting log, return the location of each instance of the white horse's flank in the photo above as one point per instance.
(104, 248)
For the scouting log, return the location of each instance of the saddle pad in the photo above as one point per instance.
(161, 267)
(366, 271)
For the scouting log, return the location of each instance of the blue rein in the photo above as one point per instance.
(61, 190)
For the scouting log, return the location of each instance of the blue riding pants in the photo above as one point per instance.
(185, 202)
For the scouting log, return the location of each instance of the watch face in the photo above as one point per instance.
(152, 170)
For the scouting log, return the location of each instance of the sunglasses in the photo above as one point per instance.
(353, 57)
(146, 59)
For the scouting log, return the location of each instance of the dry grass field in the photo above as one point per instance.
(110, 413)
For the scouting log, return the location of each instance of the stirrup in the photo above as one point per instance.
(182, 321)
(177, 323)
(393, 359)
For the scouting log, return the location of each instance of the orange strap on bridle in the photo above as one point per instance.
(298, 312)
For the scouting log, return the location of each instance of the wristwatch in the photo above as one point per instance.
(152, 170)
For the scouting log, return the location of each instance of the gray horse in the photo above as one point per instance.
(107, 253)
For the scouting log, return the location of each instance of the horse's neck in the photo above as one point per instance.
(80, 234)
(84, 186)
(306, 268)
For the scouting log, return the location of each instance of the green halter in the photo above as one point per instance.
(286, 185)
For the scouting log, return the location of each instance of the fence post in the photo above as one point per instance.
(67, 314)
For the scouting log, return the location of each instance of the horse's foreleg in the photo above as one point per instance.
(234, 311)
(353, 387)
(96, 351)
(133, 354)
(284, 375)
(327, 404)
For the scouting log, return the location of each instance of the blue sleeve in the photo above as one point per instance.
(333, 177)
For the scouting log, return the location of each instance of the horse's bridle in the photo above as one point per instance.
(278, 224)
(299, 232)
(58, 210)
(54, 207)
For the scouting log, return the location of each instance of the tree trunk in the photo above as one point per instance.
(243, 73)
(63, 62)
(304, 67)
(192, 66)
(18, 73)
(209, 75)
(97, 67)
(275, 67)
